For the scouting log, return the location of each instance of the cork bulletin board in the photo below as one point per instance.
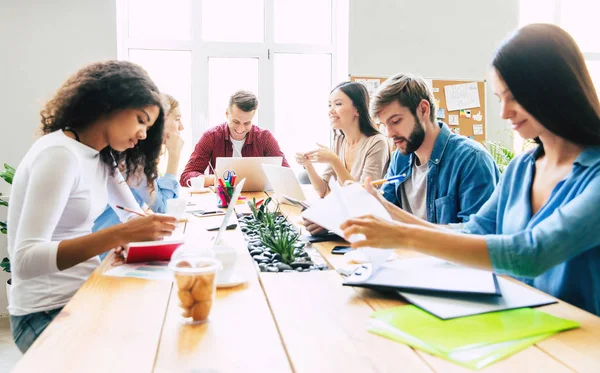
(460, 103)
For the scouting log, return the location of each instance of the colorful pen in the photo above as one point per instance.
(388, 180)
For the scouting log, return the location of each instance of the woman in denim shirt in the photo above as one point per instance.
(541, 223)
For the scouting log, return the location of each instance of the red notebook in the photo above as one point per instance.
(152, 250)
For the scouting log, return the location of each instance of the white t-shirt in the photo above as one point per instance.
(61, 186)
(413, 191)
(237, 147)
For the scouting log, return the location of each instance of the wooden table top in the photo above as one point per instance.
(276, 322)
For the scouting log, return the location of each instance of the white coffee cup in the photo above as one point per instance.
(227, 255)
(176, 207)
(196, 182)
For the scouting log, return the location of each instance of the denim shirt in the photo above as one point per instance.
(557, 250)
(165, 187)
(462, 176)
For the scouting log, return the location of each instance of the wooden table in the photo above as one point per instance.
(277, 322)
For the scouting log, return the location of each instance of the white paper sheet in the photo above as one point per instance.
(343, 203)
(146, 271)
(462, 96)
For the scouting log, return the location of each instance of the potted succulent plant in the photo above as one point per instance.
(7, 174)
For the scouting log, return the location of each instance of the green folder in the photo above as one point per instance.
(474, 341)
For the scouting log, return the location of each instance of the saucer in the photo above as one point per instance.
(232, 281)
(199, 190)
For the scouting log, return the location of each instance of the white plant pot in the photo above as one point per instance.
(8, 290)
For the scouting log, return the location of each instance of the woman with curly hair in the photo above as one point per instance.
(165, 187)
(106, 114)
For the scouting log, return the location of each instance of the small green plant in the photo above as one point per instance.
(273, 230)
(5, 264)
(282, 241)
(263, 217)
(7, 174)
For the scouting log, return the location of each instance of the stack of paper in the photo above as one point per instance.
(474, 341)
(342, 204)
(450, 306)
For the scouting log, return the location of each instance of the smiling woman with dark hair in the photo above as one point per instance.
(541, 223)
(108, 113)
(359, 149)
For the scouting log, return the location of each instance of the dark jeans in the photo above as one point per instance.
(25, 329)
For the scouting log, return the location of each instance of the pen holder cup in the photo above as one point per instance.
(224, 195)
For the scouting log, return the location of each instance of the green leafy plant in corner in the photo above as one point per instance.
(7, 174)
(5, 264)
(501, 154)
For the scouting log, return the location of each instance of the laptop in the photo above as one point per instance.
(285, 184)
(248, 168)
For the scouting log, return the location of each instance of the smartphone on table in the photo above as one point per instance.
(340, 250)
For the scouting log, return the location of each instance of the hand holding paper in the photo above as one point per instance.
(343, 203)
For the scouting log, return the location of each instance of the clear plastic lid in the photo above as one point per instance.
(190, 258)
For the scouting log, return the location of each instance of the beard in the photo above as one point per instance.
(414, 141)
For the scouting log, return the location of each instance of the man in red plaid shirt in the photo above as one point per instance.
(237, 137)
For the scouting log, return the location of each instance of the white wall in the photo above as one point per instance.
(41, 44)
(432, 38)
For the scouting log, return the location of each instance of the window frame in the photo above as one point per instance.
(557, 5)
(202, 50)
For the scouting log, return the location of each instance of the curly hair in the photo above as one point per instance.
(100, 90)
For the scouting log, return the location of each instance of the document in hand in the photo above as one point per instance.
(341, 204)
(152, 250)
(427, 275)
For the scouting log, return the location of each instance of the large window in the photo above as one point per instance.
(290, 53)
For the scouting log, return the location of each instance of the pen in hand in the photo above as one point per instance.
(388, 180)
(130, 210)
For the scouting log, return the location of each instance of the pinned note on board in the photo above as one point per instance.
(371, 84)
(478, 129)
(462, 96)
(441, 113)
(453, 119)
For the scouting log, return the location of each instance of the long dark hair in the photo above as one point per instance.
(99, 90)
(359, 96)
(546, 73)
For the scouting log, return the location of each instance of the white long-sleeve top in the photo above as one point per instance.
(60, 187)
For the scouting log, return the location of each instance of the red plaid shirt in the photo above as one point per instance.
(215, 143)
